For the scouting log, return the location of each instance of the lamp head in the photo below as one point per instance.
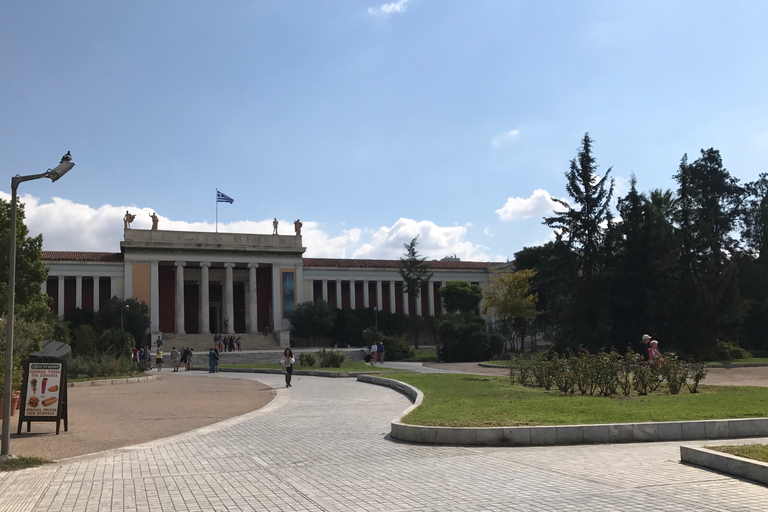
(60, 170)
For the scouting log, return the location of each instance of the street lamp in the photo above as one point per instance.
(54, 174)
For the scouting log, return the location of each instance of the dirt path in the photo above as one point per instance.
(750, 376)
(108, 417)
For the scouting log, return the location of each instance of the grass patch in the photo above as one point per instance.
(486, 401)
(346, 366)
(749, 360)
(16, 463)
(423, 355)
(108, 377)
(757, 452)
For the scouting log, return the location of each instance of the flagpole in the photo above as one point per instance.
(217, 210)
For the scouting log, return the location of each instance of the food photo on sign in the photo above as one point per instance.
(43, 389)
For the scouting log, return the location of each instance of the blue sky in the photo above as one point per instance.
(370, 121)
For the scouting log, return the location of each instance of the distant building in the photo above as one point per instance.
(202, 283)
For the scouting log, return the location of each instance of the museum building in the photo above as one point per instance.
(203, 283)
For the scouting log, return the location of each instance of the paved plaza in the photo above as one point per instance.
(322, 445)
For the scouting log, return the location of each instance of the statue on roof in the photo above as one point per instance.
(154, 218)
(128, 219)
(297, 226)
(274, 226)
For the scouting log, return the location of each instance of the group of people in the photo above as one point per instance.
(376, 354)
(178, 358)
(227, 343)
(650, 351)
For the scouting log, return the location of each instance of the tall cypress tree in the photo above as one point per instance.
(582, 227)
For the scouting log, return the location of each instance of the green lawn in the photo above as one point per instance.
(346, 366)
(750, 360)
(485, 401)
(109, 377)
(423, 355)
(748, 451)
(16, 463)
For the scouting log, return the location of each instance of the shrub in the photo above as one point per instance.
(117, 342)
(726, 351)
(674, 372)
(100, 365)
(464, 339)
(696, 373)
(85, 341)
(543, 370)
(642, 378)
(331, 358)
(307, 359)
(397, 349)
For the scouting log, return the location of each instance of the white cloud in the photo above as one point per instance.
(68, 226)
(505, 138)
(435, 242)
(539, 203)
(398, 7)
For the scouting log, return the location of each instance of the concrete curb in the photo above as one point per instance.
(110, 382)
(564, 434)
(725, 463)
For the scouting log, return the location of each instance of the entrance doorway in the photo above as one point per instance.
(214, 318)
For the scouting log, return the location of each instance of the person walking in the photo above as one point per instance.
(287, 362)
(380, 352)
(175, 359)
(213, 359)
(374, 350)
(159, 359)
(189, 359)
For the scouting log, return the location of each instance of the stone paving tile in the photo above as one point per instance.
(322, 446)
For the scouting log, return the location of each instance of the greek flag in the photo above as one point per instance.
(221, 197)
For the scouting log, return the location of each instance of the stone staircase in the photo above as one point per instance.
(204, 342)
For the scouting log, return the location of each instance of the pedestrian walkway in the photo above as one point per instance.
(322, 446)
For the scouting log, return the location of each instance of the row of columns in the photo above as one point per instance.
(228, 312)
(79, 291)
(379, 295)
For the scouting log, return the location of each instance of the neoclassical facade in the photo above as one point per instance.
(202, 283)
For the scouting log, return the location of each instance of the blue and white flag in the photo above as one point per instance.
(221, 197)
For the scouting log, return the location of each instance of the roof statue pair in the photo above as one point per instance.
(129, 218)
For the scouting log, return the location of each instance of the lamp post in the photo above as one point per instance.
(54, 174)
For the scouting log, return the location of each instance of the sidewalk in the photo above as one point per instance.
(318, 446)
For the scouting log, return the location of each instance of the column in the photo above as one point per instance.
(325, 290)
(277, 307)
(352, 294)
(154, 298)
(418, 303)
(205, 305)
(392, 304)
(338, 293)
(61, 296)
(253, 311)
(378, 294)
(128, 281)
(179, 297)
(405, 301)
(299, 284)
(366, 301)
(79, 292)
(44, 287)
(431, 298)
(309, 289)
(96, 293)
(229, 294)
